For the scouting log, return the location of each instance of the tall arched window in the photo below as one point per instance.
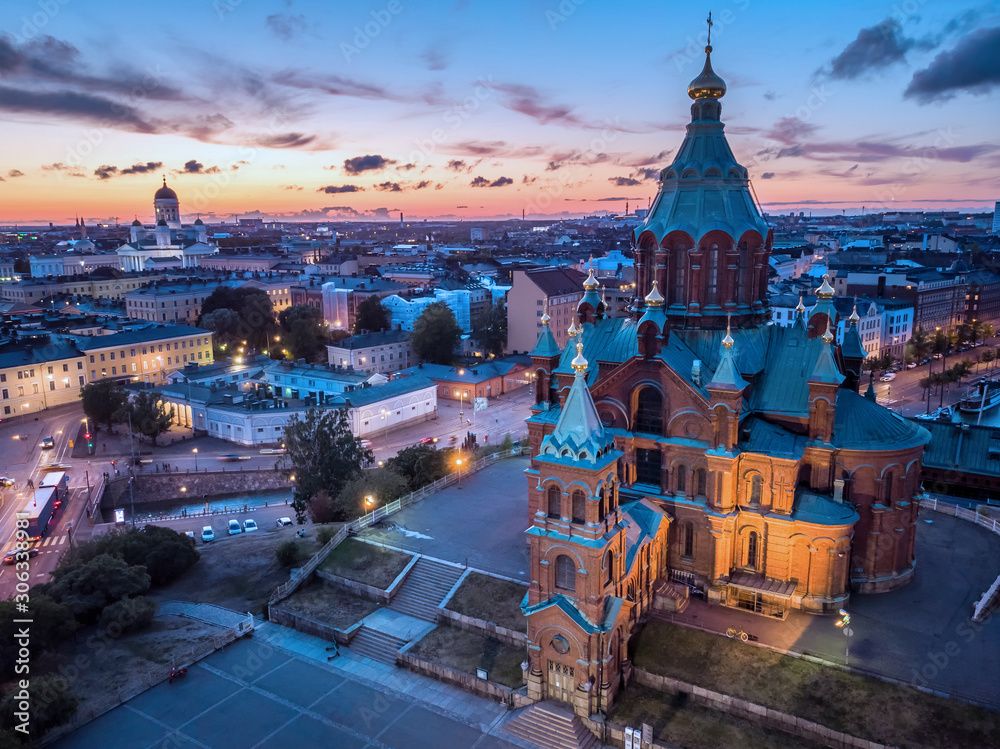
(649, 411)
(887, 489)
(555, 501)
(680, 262)
(565, 573)
(579, 507)
(689, 539)
(701, 481)
(609, 568)
(681, 472)
(602, 507)
(756, 488)
(752, 550)
(712, 297)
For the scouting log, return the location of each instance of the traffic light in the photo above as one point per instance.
(90, 442)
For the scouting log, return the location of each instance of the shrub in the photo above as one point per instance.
(324, 534)
(288, 552)
(129, 613)
(165, 553)
(86, 588)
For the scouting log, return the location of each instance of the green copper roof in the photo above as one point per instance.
(825, 369)
(784, 386)
(975, 448)
(852, 348)
(546, 345)
(579, 434)
(861, 424)
(819, 509)
(765, 438)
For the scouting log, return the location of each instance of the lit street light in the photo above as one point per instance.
(458, 462)
(195, 451)
(844, 623)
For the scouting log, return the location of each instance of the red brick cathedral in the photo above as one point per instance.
(692, 444)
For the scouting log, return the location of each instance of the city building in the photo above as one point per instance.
(483, 380)
(168, 243)
(996, 219)
(532, 293)
(690, 444)
(147, 354)
(171, 301)
(384, 351)
(38, 371)
(96, 286)
(404, 311)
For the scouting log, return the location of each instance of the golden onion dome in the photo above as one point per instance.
(654, 298)
(579, 363)
(708, 85)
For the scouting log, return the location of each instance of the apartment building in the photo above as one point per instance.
(385, 351)
(37, 372)
(171, 302)
(145, 355)
(557, 290)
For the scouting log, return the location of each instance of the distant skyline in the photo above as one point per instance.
(310, 110)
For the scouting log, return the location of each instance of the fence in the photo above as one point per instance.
(287, 588)
(92, 709)
(990, 524)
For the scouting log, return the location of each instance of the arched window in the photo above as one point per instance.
(579, 507)
(603, 506)
(689, 539)
(555, 502)
(565, 573)
(848, 482)
(609, 568)
(756, 488)
(752, 550)
(681, 472)
(712, 297)
(701, 482)
(649, 411)
(887, 489)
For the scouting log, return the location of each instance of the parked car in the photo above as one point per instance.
(189, 534)
(282, 522)
(234, 527)
(249, 525)
(11, 556)
(7, 481)
(207, 534)
(911, 365)
(888, 377)
(48, 443)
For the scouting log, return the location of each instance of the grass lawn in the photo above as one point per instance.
(467, 651)
(328, 605)
(845, 702)
(366, 563)
(492, 599)
(692, 726)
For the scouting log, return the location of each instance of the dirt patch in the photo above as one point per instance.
(492, 599)
(328, 605)
(468, 651)
(98, 664)
(366, 563)
(238, 573)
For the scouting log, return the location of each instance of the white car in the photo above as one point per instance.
(249, 525)
(207, 534)
(234, 527)
(888, 377)
(282, 522)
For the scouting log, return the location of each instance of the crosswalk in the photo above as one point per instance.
(53, 541)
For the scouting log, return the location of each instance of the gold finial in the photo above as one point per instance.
(604, 299)
(654, 298)
(545, 318)
(854, 319)
(545, 311)
(826, 291)
(591, 283)
(708, 85)
(579, 364)
(164, 180)
(573, 330)
(828, 336)
(800, 307)
(728, 340)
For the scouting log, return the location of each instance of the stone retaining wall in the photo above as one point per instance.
(163, 487)
(491, 690)
(482, 627)
(286, 618)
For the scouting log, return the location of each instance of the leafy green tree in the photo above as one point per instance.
(288, 553)
(104, 402)
(165, 553)
(420, 464)
(382, 484)
(129, 613)
(302, 326)
(324, 454)
(85, 589)
(149, 414)
(436, 334)
(225, 324)
(53, 624)
(371, 315)
(489, 329)
(52, 704)
(255, 310)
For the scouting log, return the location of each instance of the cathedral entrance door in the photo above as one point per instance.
(561, 684)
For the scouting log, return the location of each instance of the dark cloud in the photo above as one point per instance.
(285, 25)
(767, 175)
(602, 200)
(334, 85)
(285, 140)
(422, 184)
(333, 189)
(369, 163)
(456, 165)
(106, 171)
(624, 181)
(654, 160)
(874, 48)
(149, 166)
(56, 167)
(526, 180)
(15, 173)
(648, 174)
(74, 105)
(382, 212)
(193, 167)
(483, 182)
(388, 187)
(435, 59)
(405, 167)
(972, 66)
(790, 130)
(770, 95)
(530, 102)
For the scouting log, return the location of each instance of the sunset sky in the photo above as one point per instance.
(314, 109)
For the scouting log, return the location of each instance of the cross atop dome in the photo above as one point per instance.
(708, 85)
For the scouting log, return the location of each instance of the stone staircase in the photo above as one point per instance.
(378, 646)
(551, 725)
(426, 585)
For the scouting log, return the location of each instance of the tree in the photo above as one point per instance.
(255, 310)
(288, 553)
(104, 402)
(165, 553)
(52, 704)
(489, 329)
(85, 589)
(302, 325)
(225, 324)
(129, 613)
(436, 334)
(420, 465)
(371, 316)
(149, 414)
(382, 484)
(324, 455)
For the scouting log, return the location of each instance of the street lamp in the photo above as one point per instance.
(844, 623)
(458, 462)
(195, 451)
